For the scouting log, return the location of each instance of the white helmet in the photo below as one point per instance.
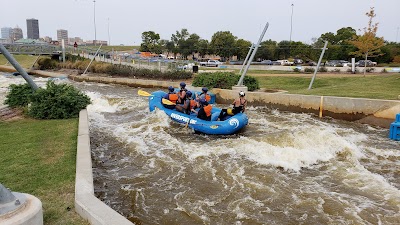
(241, 93)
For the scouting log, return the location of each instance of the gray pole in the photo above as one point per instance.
(14, 62)
(247, 57)
(94, 19)
(397, 35)
(92, 60)
(240, 83)
(63, 49)
(319, 63)
(109, 41)
(291, 28)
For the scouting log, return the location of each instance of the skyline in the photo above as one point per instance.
(127, 20)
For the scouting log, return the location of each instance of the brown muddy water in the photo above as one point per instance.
(283, 168)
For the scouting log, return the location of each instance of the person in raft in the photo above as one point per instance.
(171, 96)
(204, 112)
(188, 105)
(239, 106)
(182, 93)
(203, 95)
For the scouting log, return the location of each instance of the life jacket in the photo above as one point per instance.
(207, 110)
(238, 109)
(192, 104)
(173, 97)
(206, 96)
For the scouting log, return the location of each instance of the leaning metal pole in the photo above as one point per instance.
(94, 57)
(16, 65)
(319, 63)
(240, 83)
(247, 57)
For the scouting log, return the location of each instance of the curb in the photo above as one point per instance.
(86, 204)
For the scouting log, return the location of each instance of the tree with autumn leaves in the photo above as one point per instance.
(368, 44)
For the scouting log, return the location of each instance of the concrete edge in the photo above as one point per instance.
(86, 204)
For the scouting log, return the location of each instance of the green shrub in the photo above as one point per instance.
(323, 69)
(296, 70)
(370, 70)
(309, 70)
(384, 71)
(57, 101)
(223, 80)
(336, 70)
(19, 95)
(47, 63)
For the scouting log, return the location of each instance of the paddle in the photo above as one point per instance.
(143, 93)
(167, 102)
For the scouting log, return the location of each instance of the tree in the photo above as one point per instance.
(203, 48)
(242, 48)
(267, 50)
(223, 43)
(170, 47)
(368, 44)
(179, 39)
(150, 41)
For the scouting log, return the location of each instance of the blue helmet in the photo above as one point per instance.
(203, 101)
(183, 84)
(171, 89)
(204, 89)
(189, 94)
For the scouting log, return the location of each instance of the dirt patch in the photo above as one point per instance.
(9, 114)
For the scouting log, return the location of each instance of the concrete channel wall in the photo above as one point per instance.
(86, 204)
(370, 111)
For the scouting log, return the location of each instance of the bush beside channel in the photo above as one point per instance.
(56, 101)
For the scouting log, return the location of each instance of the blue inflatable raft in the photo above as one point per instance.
(229, 125)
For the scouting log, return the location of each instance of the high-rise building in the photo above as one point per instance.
(62, 34)
(32, 26)
(6, 32)
(17, 34)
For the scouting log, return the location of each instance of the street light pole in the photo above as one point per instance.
(397, 35)
(94, 19)
(109, 42)
(291, 28)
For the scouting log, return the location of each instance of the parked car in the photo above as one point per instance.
(362, 63)
(276, 63)
(266, 62)
(285, 62)
(311, 63)
(298, 61)
(213, 63)
(333, 63)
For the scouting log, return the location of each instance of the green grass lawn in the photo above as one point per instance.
(25, 61)
(38, 157)
(376, 87)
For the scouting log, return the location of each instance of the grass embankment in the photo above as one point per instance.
(38, 157)
(25, 61)
(375, 87)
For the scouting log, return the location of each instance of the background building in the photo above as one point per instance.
(62, 35)
(32, 26)
(47, 39)
(6, 32)
(78, 41)
(17, 34)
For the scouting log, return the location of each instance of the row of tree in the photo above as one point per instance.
(344, 44)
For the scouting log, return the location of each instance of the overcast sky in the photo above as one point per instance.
(127, 19)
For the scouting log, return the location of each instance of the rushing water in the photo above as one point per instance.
(284, 168)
